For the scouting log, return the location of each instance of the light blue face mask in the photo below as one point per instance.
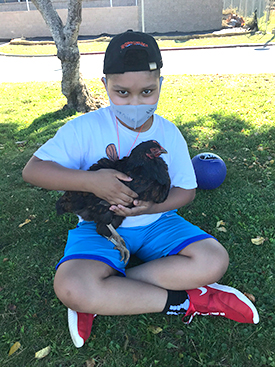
(134, 116)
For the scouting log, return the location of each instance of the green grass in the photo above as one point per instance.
(232, 116)
(100, 44)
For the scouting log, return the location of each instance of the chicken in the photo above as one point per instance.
(150, 180)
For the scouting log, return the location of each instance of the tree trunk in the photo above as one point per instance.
(65, 38)
(73, 86)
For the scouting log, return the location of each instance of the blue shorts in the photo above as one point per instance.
(166, 236)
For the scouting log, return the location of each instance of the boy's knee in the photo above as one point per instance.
(66, 292)
(219, 261)
(71, 293)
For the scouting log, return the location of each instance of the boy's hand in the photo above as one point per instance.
(140, 207)
(107, 186)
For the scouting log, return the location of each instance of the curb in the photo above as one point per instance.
(243, 45)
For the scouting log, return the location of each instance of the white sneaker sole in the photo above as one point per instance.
(72, 322)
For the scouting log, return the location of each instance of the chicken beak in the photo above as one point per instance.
(163, 151)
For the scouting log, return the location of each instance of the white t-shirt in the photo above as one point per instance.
(82, 141)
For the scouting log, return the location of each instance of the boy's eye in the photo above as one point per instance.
(147, 91)
(122, 92)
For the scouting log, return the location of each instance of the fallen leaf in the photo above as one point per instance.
(250, 297)
(43, 352)
(126, 342)
(5, 259)
(90, 362)
(26, 222)
(222, 229)
(155, 329)
(258, 240)
(260, 148)
(14, 348)
(220, 223)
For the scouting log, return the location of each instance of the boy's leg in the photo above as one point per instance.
(90, 286)
(93, 287)
(202, 262)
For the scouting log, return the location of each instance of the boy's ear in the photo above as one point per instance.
(104, 81)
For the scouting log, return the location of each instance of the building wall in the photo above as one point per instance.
(182, 15)
(95, 21)
(160, 16)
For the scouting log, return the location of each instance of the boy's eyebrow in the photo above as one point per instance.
(151, 86)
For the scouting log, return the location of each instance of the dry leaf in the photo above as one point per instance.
(155, 329)
(258, 240)
(220, 223)
(26, 222)
(42, 352)
(260, 148)
(90, 362)
(250, 297)
(222, 229)
(14, 348)
(126, 342)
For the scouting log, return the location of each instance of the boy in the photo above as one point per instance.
(180, 260)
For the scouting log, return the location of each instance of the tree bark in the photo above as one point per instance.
(65, 38)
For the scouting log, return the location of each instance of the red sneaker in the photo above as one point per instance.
(220, 300)
(80, 326)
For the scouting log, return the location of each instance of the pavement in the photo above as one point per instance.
(230, 59)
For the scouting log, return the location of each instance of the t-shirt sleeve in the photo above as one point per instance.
(181, 169)
(64, 148)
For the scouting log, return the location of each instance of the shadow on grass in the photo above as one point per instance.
(32, 251)
(45, 126)
(231, 132)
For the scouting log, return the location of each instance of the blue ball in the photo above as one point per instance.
(210, 170)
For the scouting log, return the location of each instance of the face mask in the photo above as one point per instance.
(134, 116)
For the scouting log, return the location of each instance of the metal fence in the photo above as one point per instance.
(247, 7)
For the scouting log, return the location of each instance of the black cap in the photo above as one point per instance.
(132, 51)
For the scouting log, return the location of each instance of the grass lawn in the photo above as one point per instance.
(232, 116)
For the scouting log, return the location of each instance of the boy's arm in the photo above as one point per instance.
(177, 198)
(103, 183)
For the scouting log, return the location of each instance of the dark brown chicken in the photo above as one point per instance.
(151, 182)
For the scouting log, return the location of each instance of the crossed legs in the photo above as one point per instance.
(91, 286)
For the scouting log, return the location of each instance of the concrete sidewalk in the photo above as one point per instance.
(233, 59)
